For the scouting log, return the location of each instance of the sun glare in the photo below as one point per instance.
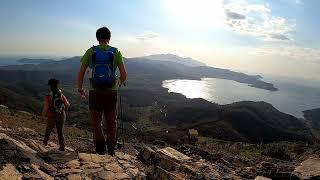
(196, 12)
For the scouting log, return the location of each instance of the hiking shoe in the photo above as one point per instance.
(101, 149)
(111, 152)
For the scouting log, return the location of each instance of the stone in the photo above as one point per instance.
(133, 171)
(122, 175)
(28, 130)
(69, 171)
(95, 158)
(12, 148)
(74, 177)
(36, 146)
(148, 154)
(123, 161)
(309, 169)
(172, 154)
(24, 113)
(78, 177)
(59, 157)
(92, 170)
(105, 175)
(9, 172)
(122, 156)
(127, 165)
(193, 135)
(3, 107)
(31, 176)
(114, 167)
(90, 165)
(73, 164)
(41, 173)
(262, 178)
(49, 169)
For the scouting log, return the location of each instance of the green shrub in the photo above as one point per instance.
(278, 151)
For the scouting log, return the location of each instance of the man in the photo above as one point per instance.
(103, 89)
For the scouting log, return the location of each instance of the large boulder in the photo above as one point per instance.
(9, 172)
(12, 149)
(308, 169)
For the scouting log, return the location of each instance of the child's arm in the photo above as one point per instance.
(66, 102)
(45, 107)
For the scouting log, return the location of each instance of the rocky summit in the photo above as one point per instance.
(23, 156)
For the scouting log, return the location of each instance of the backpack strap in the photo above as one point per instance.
(94, 54)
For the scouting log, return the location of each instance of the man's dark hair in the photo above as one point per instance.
(103, 33)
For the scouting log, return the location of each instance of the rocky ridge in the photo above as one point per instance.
(23, 156)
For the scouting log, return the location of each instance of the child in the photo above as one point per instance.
(55, 105)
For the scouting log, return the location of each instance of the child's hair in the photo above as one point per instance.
(53, 83)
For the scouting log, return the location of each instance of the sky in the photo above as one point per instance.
(278, 37)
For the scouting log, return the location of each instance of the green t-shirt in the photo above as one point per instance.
(86, 58)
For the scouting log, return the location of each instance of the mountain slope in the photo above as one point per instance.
(174, 58)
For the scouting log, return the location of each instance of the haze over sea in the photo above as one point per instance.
(293, 97)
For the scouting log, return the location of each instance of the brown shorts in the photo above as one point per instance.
(102, 100)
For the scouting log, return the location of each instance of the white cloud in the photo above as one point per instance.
(147, 35)
(257, 20)
(295, 52)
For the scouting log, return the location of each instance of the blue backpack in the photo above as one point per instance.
(102, 65)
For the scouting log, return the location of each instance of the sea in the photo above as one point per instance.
(293, 97)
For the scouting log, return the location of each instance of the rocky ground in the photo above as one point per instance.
(22, 156)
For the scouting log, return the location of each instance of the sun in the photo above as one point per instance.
(196, 12)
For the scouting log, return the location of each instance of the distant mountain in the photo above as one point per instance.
(34, 61)
(312, 117)
(152, 70)
(174, 58)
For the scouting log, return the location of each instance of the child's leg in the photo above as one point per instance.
(60, 123)
(50, 126)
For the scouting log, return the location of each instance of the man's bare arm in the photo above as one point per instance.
(81, 73)
(123, 73)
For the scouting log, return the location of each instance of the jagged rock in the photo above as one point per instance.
(12, 149)
(3, 107)
(112, 175)
(41, 173)
(59, 156)
(27, 130)
(309, 169)
(24, 113)
(160, 173)
(174, 155)
(9, 172)
(90, 165)
(133, 171)
(73, 164)
(36, 146)
(114, 167)
(262, 178)
(5, 129)
(90, 171)
(123, 156)
(31, 176)
(147, 154)
(69, 171)
(48, 168)
(95, 158)
(75, 177)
